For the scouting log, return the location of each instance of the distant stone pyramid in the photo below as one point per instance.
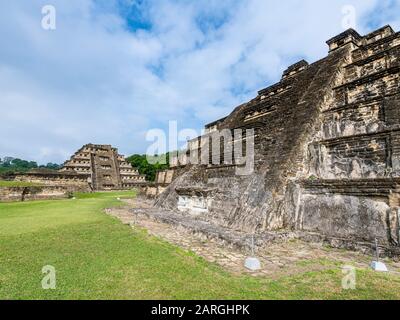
(327, 150)
(104, 168)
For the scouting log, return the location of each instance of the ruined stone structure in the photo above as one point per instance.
(44, 184)
(92, 168)
(327, 150)
(46, 177)
(13, 194)
(163, 180)
(104, 168)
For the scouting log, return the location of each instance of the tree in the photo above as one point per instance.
(53, 166)
(150, 170)
(12, 165)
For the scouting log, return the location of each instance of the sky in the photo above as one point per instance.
(113, 69)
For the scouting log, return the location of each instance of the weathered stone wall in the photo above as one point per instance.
(165, 177)
(327, 150)
(10, 194)
(152, 190)
(282, 117)
(73, 182)
(354, 209)
(352, 161)
(163, 180)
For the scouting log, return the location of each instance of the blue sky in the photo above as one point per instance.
(114, 69)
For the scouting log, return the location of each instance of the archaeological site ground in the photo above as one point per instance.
(98, 257)
(199, 158)
(304, 179)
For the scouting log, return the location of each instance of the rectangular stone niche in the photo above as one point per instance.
(193, 204)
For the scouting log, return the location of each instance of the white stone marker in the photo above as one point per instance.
(377, 265)
(252, 263)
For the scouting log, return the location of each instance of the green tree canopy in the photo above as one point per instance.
(12, 165)
(141, 162)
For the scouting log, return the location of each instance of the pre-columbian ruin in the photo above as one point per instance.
(327, 151)
(215, 152)
(103, 168)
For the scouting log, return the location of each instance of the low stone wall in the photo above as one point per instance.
(11, 194)
(165, 177)
(357, 210)
(152, 190)
(75, 182)
(341, 216)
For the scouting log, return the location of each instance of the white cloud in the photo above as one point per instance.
(95, 79)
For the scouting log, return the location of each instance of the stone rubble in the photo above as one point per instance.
(279, 257)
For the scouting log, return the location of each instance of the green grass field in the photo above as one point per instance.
(96, 257)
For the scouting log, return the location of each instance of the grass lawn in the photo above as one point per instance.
(4, 183)
(96, 257)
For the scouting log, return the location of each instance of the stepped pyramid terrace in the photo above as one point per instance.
(104, 168)
(326, 152)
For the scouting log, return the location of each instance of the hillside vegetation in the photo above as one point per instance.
(12, 165)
